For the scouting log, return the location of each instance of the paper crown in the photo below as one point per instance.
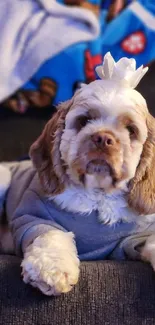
(123, 72)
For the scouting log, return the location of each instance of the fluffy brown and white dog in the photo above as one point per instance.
(96, 155)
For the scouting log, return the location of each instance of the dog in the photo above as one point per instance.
(88, 192)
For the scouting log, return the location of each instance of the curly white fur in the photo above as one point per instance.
(111, 207)
(51, 263)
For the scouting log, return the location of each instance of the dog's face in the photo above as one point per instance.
(103, 140)
(96, 140)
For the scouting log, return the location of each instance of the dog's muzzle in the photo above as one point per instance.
(98, 166)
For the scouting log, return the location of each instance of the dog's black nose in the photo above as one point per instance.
(103, 140)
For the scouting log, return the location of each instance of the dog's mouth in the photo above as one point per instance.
(100, 167)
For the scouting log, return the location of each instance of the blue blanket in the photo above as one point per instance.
(129, 32)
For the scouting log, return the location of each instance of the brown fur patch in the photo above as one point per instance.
(142, 187)
(45, 153)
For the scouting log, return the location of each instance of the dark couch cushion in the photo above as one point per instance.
(17, 134)
(109, 293)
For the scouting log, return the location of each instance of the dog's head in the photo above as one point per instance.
(102, 138)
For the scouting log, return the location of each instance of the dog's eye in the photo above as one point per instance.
(132, 131)
(81, 122)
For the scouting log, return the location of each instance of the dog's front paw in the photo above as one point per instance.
(51, 263)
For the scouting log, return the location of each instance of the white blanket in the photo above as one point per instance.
(31, 31)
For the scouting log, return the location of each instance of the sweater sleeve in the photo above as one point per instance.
(130, 247)
(31, 219)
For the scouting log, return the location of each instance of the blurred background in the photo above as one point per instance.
(127, 28)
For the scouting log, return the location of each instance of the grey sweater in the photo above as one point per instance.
(30, 214)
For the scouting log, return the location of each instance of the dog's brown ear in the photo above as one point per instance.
(142, 187)
(45, 153)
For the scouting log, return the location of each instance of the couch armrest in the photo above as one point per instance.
(110, 293)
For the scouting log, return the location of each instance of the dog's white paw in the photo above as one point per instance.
(51, 263)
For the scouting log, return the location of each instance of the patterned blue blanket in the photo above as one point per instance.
(127, 29)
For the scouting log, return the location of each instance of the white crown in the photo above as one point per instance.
(124, 71)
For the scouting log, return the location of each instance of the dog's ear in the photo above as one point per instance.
(45, 153)
(142, 186)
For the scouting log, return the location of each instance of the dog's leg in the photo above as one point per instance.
(50, 263)
(148, 252)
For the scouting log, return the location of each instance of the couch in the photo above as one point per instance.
(108, 292)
